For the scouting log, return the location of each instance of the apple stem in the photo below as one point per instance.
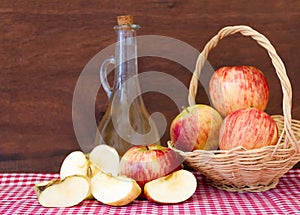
(185, 108)
(147, 147)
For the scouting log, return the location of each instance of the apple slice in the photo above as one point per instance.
(67, 192)
(76, 163)
(114, 190)
(173, 188)
(105, 158)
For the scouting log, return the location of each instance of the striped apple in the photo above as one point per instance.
(196, 127)
(145, 163)
(250, 128)
(237, 87)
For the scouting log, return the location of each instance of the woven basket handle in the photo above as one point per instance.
(276, 61)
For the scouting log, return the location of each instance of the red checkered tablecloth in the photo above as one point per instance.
(17, 197)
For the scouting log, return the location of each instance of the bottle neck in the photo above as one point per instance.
(126, 53)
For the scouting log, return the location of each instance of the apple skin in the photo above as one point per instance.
(196, 127)
(237, 87)
(250, 128)
(146, 163)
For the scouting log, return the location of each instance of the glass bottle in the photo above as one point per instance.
(126, 121)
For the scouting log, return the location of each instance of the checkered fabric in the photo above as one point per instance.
(17, 197)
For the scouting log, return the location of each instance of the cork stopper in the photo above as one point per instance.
(125, 20)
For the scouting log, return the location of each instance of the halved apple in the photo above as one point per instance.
(76, 163)
(173, 188)
(101, 158)
(67, 192)
(106, 158)
(114, 190)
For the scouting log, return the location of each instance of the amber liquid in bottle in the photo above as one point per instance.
(126, 122)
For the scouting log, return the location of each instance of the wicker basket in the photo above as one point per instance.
(248, 170)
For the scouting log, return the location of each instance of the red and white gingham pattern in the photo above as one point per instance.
(17, 197)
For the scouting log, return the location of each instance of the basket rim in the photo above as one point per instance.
(238, 149)
(281, 145)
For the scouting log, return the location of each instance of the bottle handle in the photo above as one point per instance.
(103, 75)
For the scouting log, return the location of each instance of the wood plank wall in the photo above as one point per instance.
(45, 44)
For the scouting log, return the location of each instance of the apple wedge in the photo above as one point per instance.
(76, 163)
(67, 192)
(173, 188)
(114, 190)
(105, 158)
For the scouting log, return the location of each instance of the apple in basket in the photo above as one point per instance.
(237, 87)
(196, 127)
(144, 163)
(250, 128)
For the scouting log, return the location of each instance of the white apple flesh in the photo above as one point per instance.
(173, 188)
(67, 192)
(75, 163)
(102, 157)
(106, 158)
(114, 190)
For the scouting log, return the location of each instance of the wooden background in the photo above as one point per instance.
(45, 44)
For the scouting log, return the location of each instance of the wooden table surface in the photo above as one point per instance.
(45, 44)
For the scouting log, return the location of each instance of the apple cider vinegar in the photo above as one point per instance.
(126, 122)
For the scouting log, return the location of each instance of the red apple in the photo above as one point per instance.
(237, 87)
(146, 163)
(196, 127)
(250, 128)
